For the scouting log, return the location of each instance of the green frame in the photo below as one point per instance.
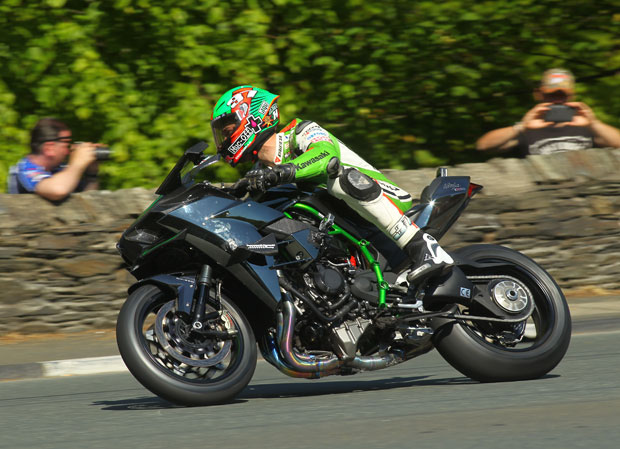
(361, 244)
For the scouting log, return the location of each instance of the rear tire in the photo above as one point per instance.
(166, 367)
(465, 347)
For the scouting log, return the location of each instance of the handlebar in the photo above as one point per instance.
(239, 188)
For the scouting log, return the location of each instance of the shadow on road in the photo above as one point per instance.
(319, 388)
(298, 389)
(151, 403)
(291, 390)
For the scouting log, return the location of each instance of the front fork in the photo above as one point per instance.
(191, 293)
(204, 281)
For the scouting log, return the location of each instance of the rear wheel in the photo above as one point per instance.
(490, 351)
(177, 363)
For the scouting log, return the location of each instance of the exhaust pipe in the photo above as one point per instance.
(283, 356)
(298, 362)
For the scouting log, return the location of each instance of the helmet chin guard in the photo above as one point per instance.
(243, 119)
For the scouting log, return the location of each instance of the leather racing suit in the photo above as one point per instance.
(321, 158)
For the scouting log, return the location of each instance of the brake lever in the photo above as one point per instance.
(239, 188)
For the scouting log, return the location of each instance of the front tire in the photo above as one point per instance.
(176, 364)
(470, 350)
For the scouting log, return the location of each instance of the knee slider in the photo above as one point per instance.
(359, 185)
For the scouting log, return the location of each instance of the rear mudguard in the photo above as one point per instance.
(454, 287)
(467, 265)
(451, 287)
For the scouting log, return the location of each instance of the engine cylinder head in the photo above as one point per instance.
(329, 281)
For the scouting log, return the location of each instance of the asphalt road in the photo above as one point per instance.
(423, 403)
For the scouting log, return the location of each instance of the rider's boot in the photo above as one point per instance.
(429, 259)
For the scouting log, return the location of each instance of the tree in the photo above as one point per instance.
(404, 83)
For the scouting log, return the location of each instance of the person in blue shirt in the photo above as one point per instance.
(44, 172)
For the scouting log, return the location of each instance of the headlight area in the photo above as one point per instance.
(135, 242)
(167, 254)
(142, 236)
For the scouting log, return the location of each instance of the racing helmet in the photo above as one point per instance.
(243, 119)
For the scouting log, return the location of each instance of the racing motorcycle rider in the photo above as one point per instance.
(244, 125)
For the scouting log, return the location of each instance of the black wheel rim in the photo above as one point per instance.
(538, 326)
(178, 353)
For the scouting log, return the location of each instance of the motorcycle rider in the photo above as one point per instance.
(244, 125)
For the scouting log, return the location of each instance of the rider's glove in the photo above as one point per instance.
(262, 179)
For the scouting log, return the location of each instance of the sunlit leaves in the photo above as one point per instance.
(405, 83)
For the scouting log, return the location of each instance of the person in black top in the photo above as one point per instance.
(539, 132)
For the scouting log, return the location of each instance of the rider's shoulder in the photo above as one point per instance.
(309, 132)
(303, 125)
(300, 125)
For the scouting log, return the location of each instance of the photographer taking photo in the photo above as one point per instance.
(43, 170)
(556, 123)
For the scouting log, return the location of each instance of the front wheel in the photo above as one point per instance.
(492, 352)
(177, 363)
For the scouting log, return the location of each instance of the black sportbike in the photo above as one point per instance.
(320, 290)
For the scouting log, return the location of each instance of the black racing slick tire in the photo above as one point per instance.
(470, 347)
(177, 364)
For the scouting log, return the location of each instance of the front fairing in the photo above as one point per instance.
(224, 222)
(205, 213)
(194, 210)
(146, 231)
(199, 223)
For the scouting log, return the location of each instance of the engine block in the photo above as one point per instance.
(346, 336)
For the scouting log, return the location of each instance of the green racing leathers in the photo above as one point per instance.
(312, 149)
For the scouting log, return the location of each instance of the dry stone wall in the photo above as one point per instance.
(60, 272)
(59, 268)
(562, 210)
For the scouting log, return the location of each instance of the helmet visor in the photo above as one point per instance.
(223, 128)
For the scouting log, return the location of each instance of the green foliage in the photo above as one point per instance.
(404, 83)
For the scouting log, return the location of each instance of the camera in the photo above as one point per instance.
(559, 113)
(103, 153)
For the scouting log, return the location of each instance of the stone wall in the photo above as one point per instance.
(59, 269)
(562, 210)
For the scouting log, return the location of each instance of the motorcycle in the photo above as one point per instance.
(297, 273)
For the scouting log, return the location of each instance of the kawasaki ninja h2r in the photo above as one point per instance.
(319, 290)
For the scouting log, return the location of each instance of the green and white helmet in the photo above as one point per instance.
(243, 119)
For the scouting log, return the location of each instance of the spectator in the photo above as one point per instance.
(537, 134)
(43, 171)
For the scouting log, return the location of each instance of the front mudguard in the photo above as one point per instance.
(257, 278)
(181, 287)
(258, 281)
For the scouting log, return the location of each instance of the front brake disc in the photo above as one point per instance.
(175, 338)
